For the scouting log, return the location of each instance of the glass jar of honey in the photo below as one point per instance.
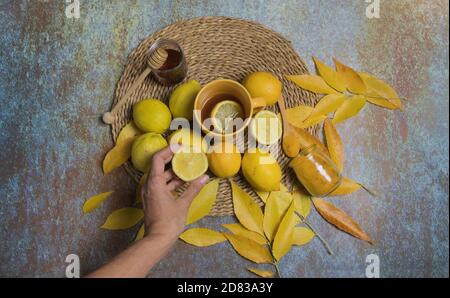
(316, 171)
(174, 67)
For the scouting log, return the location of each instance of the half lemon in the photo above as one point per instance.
(189, 164)
(223, 114)
(266, 127)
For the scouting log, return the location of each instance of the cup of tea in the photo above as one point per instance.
(221, 90)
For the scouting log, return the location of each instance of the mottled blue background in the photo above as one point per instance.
(57, 76)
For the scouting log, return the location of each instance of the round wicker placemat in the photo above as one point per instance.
(219, 47)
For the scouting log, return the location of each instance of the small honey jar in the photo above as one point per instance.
(167, 61)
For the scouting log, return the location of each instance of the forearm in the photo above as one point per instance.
(138, 259)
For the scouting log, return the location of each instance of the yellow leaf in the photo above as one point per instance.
(139, 188)
(263, 195)
(298, 114)
(249, 249)
(203, 202)
(246, 210)
(327, 104)
(277, 204)
(284, 237)
(238, 229)
(349, 108)
(334, 144)
(202, 237)
(380, 93)
(353, 81)
(330, 76)
(346, 187)
(312, 121)
(340, 219)
(312, 83)
(123, 218)
(302, 236)
(95, 201)
(129, 131)
(140, 234)
(261, 273)
(302, 202)
(117, 156)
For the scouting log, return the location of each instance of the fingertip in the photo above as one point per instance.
(175, 147)
(204, 179)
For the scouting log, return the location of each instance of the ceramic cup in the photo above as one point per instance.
(226, 89)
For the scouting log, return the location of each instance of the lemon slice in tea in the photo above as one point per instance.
(189, 164)
(266, 127)
(223, 114)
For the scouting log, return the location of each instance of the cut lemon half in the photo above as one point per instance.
(266, 127)
(188, 165)
(223, 113)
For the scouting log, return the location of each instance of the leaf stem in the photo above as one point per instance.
(277, 268)
(371, 192)
(327, 247)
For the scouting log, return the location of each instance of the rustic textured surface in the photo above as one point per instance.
(57, 76)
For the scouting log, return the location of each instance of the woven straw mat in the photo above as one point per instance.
(219, 47)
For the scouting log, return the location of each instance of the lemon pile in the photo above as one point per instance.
(153, 118)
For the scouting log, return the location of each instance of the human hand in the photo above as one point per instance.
(165, 213)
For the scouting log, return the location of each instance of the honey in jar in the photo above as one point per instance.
(316, 171)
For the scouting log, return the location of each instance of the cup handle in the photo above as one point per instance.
(258, 103)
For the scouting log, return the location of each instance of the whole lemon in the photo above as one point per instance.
(151, 115)
(224, 160)
(188, 138)
(143, 149)
(261, 170)
(181, 102)
(263, 84)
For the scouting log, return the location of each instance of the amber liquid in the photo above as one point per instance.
(173, 70)
(210, 103)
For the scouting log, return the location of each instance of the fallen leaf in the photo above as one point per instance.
(334, 144)
(349, 108)
(298, 114)
(117, 156)
(247, 210)
(128, 131)
(202, 237)
(302, 202)
(140, 234)
(302, 236)
(123, 218)
(285, 233)
(95, 201)
(261, 273)
(380, 93)
(203, 202)
(263, 195)
(330, 76)
(328, 104)
(353, 81)
(312, 83)
(238, 229)
(249, 249)
(346, 187)
(277, 204)
(340, 219)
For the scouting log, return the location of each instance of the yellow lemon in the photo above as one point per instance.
(261, 170)
(223, 113)
(143, 149)
(266, 127)
(151, 115)
(263, 84)
(188, 138)
(188, 165)
(224, 160)
(181, 102)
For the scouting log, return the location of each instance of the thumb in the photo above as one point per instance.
(193, 189)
